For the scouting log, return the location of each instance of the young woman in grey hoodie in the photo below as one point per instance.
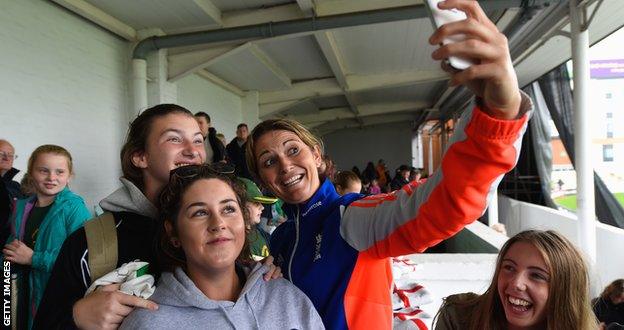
(205, 253)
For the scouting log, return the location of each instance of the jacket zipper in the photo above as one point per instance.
(292, 255)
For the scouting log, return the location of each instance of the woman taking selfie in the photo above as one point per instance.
(336, 249)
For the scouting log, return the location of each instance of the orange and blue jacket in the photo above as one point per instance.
(336, 249)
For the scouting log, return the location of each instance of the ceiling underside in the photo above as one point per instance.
(339, 78)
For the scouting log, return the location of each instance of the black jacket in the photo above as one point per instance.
(136, 239)
(218, 149)
(236, 154)
(398, 182)
(607, 312)
(9, 190)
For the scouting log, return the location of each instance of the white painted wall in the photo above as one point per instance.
(225, 108)
(519, 216)
(349, 147)
(63, 81)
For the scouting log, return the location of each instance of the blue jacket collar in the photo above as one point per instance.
(322, 198)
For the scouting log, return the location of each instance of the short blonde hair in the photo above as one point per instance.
(278, 125)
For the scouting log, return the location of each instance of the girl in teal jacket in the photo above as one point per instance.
(41, 224)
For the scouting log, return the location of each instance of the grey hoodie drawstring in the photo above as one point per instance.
(253, 313)
(227, 316)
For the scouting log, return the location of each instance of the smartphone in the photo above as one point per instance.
(440, 17)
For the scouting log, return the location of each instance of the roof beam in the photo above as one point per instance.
(270, 64)
(329, 48)
(359, 83)
(184, 64)
(99, 17)
(331, 87)
(275, 108)
(335, 7)
(237, 18)
(210, 9)
(368, 121)
(366, 110)
(302, 90)
(221, 83)
(306, 6)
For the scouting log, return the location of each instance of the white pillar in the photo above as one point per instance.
(493, 210)
(139, 86)
(250, 109)
(582, 135)
(430, 163)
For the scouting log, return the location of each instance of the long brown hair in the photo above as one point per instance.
(169, 256)
(568, 305)
(136, 139)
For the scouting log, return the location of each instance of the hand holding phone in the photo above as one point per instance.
(440, 17)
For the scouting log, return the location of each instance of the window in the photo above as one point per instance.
(609, 95)
(607, 153)
(609, 115)
(609, 130)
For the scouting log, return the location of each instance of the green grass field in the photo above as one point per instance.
(569, 202)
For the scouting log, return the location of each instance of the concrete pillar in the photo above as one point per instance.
(582, 134)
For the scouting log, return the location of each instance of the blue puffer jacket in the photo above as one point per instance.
(67, 214)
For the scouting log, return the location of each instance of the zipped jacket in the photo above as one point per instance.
(337, 249)
(67, 214)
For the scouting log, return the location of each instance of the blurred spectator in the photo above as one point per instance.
(9, 189)
(369, 172)
(215, 150)
(357, 172)
(381, 172)
(374, 188)
(236, 151)
(609, 307)
(401, 178)
(347, 182)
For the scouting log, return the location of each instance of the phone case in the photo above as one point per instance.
(440, 17)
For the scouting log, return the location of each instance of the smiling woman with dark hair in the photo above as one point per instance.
(204, 252)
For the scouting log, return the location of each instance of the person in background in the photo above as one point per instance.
(540, 282)
(222, 139)
(374, 188)
(357, 172)
(9, 189)
(254, 202)
(381, 173)
(369, 172)
(327, 168)
(347, 182)
(609, 307)
(236, 151)
(401, 178)
(414, 174)
(204, 253)
(215, 150)
(40, 225)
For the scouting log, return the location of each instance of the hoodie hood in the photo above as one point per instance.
(178, 290)
(129, 198)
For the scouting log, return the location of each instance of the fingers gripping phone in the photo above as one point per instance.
(440, 17)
